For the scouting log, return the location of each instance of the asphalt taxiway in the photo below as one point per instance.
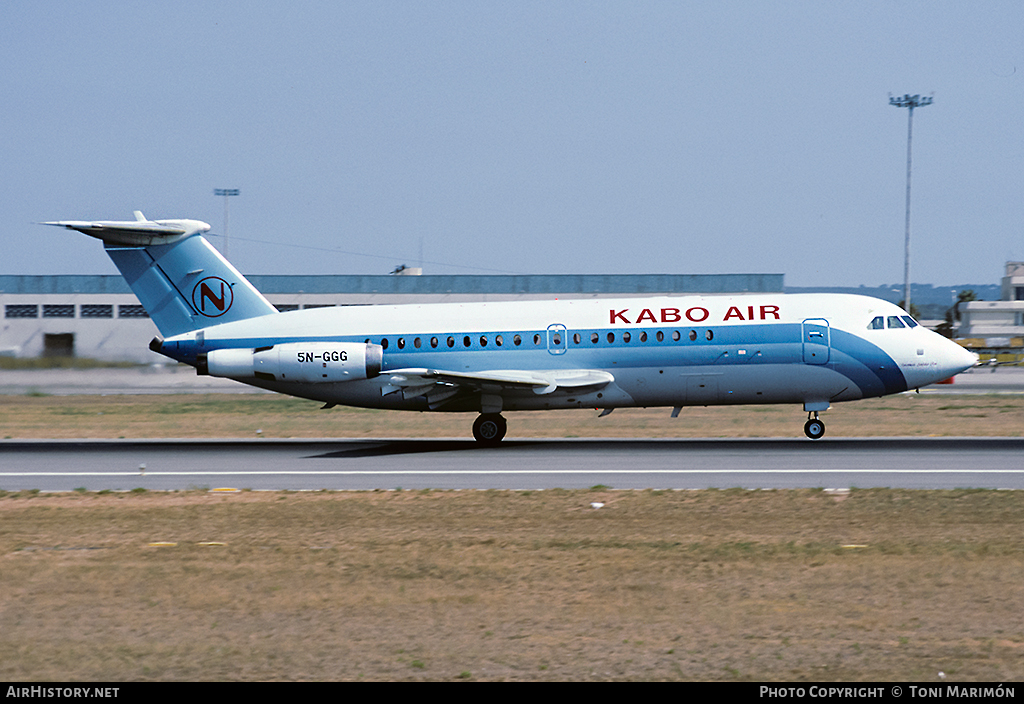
(918, 463)
(936, 463)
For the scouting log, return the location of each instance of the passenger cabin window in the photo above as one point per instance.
(498, 340)
(877, 323)
(660, 336)
(895, 322)
(594, 337)
(517, 340)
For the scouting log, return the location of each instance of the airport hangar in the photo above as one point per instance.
(98, 317)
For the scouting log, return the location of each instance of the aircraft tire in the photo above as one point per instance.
(489, 429)
(814, 429)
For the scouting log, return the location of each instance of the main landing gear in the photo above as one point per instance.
(814, 428)
(489, 429)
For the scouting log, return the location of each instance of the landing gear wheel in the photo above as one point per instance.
(814, 429)
(489, 429)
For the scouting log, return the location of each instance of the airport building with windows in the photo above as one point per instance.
(996, 326)
(98, 317)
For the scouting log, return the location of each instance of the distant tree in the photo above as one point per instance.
(953, 314)
(964, 296)
(914, 311)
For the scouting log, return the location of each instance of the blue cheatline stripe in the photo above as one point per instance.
(864, 363)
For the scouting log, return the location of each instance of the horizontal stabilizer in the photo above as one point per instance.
(138, 232)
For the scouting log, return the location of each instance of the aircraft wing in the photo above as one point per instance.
(438, 385)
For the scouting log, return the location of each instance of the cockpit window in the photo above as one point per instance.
(895, 322)
(877, 323)
(911, 323)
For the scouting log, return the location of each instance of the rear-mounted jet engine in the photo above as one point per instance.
(315, 362)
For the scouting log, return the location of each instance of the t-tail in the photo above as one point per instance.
(180, 279)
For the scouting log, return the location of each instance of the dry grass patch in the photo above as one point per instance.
(232, 415)
(512, 585)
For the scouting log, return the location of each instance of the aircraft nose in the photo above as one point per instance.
(956, 359)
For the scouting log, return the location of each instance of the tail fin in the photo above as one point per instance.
(180, 279)
(187, 285)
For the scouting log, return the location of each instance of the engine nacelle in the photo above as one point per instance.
(312, 362)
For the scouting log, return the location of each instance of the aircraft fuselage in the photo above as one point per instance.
(813, 349)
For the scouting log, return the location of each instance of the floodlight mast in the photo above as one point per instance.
(911, 102)
(226, 192)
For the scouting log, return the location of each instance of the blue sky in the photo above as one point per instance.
(525, 137)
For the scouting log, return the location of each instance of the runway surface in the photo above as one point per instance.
(919, 463)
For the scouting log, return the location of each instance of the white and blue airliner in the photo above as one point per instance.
(486, 358)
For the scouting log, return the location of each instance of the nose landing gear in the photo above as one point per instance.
(489, 429)
(814, 428)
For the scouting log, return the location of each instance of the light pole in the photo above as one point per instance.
(226, 192)
(911, 102)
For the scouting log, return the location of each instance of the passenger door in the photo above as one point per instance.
(816, 341)
(557, 344)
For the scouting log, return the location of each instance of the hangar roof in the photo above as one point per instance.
(433, 284)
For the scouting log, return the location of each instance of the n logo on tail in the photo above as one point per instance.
(214, 291)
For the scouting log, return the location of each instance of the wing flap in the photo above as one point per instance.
(439, 385)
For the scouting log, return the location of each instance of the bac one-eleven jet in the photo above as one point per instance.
(486, 358)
